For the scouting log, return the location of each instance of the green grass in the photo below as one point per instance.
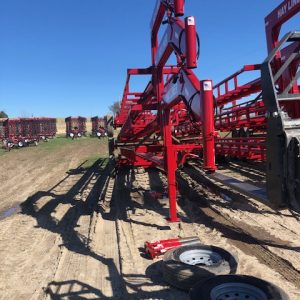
(2, 151)
(60, 142)
(57, 142)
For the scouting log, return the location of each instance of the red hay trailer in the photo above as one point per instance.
(18, 133)
(178, 116)
(99, 127)
(22, 132)
(75, 127)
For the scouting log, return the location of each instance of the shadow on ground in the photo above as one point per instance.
(73, 241)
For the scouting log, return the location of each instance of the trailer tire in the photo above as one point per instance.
(236, 287)
(20, 144)
(185, 266)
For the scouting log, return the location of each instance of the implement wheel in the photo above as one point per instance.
(185, 266)
(236, 287)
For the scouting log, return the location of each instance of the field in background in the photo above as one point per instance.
(61, 125)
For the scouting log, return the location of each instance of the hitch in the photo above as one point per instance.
(155, 249)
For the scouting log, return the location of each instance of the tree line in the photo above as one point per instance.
(3, 114)
(115, 107)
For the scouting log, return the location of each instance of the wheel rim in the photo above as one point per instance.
(200, 257)
(237, 291)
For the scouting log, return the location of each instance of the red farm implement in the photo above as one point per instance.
(174, 98)
(177, 116)
(22, 132)
(99, 128)
(75, 127)
(19, 133)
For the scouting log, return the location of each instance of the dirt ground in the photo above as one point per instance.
(55, 240)
(68, 230)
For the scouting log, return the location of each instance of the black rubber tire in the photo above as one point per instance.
(203, 289)
(184, 276)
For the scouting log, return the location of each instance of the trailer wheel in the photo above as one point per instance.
(185, 266)
(236, 287)
(20, 144)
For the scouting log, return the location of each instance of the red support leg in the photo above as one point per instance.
(171, 166)
(207, 102)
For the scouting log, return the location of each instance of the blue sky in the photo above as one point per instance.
(69, 57)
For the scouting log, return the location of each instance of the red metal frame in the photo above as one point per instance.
(75, 127)
(23, 131)
(177, 116)
(149, 119)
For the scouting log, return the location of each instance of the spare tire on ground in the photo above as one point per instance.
(185, 266)
(236, 287)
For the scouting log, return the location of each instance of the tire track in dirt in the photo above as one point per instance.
(89, 263)
(25, 172)
(240, 237)
(31, 241)
(140, 219)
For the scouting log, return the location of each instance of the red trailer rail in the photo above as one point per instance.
(176, 116)
(75, 127)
